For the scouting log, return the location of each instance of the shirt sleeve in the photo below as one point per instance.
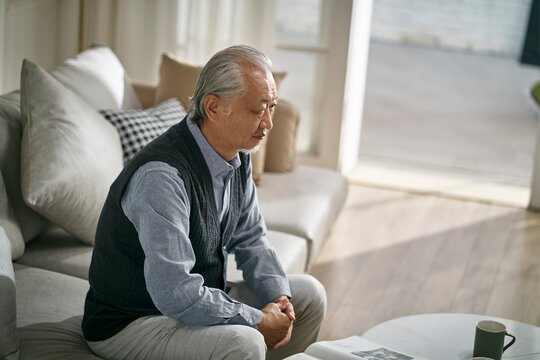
(156, 202)
(255, 257)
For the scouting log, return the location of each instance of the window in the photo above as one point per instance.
(302, 50)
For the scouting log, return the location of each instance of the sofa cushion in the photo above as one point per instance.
(9, 340)
(98, 77)
(47, 296)
(146, 93)
(9, 223)
(304, 202)
(291, 250)
(30, 222)
(137, 127)
(55, 340)
(59, 251)
(69, 154)
(178, 77)
(281, 147)
(49, 309)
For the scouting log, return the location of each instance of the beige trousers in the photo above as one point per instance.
(159, 337)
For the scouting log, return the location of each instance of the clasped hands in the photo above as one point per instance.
(277, 322)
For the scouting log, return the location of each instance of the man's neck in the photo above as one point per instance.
(216, 142)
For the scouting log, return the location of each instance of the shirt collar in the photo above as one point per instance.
(216, 164)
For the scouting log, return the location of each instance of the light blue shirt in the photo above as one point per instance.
(156, 202)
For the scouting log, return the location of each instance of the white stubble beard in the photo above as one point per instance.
(252, 151)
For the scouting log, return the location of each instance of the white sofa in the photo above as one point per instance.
(44, 268)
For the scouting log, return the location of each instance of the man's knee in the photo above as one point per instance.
(245, 343)
(309, 291)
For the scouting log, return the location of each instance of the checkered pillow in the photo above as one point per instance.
(137, 127)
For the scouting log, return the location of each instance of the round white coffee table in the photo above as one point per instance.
(450, 336)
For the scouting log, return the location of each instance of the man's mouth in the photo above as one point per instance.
(259, 136)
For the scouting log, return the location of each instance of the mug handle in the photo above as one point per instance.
(511, 342)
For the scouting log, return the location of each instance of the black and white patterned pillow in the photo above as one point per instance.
(137, 127)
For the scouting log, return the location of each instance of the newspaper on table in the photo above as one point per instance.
(351, 348)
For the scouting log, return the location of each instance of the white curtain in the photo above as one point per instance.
(210, 25)
(139, 31)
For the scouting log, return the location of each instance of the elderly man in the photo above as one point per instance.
(157, 278)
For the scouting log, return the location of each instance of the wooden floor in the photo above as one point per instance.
(393, 254)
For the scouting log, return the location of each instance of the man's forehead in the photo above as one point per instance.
(271, 98)
(260, 76)
(267, 97)
(261, 86)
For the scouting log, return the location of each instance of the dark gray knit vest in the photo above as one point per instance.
(118, 292)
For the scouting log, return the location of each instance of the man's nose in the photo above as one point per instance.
(266, 122)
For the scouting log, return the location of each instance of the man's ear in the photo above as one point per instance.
(211, 107)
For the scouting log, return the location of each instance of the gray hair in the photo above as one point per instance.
(223, 75)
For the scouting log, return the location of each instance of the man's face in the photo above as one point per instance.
(249, 115)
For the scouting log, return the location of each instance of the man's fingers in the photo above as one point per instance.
(286, 307)
(283, 304)
(285, 340)
(282, 342)
(289, 310)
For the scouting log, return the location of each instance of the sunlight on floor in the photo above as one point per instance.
(447, 184)
(375, 219)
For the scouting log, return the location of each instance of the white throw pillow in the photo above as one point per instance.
(97, 76)
(69, 154)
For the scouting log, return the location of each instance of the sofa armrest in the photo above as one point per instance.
(281, 146)
(9, 224)
(146, 93)
(304, 202)
(9, 337)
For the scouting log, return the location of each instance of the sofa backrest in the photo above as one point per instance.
(30, 223)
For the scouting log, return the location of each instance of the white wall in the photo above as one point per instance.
(43, 31)
(484, 26)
